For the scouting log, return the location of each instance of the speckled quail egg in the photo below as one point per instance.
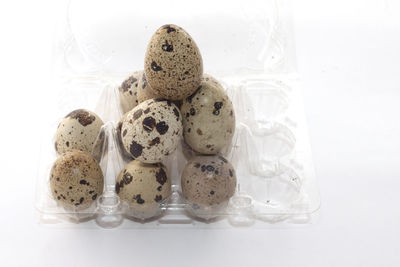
(152, 130)
(208, 181)
(128, 91)
(78, 130)
(208, 118)
(143, 186)
(76, 180)
(144, 91)
(173, 64)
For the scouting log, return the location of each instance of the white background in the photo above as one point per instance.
(348, 56)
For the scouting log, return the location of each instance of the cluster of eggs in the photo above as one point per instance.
(76, 179)
(169, 101)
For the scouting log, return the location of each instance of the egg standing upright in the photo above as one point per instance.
(173, 64)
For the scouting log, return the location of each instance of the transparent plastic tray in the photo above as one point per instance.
(248, 47)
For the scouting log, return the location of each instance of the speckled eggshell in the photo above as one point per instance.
(143, 186)
(152, 130)
(208, 118)
(78, 130)
(76, 180)
(208, 180)
(144, 91)
(125, 154)
(173, 64)
(128, 91)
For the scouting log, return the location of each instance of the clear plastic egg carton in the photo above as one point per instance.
(248, 47)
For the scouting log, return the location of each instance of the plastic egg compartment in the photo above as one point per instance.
(263, 152)
(270, 153)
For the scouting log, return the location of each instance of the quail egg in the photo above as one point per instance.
(208, 181)
(143, 186)
(208, 118)
(152, 130)
(76, 180)
(173, 64)
(78, 130)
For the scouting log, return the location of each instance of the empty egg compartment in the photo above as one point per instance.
(271, 155)
(259, 100)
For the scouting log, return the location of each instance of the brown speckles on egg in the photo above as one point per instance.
(162, 127)
(127, 178)
(83, 116)
(143, 193)
(158, 198)
(78, 174)
(135, 149)
(190, 98)
(161, 176)
(155, 67)
(155, 141)
(138, 199)
(148, 124)
(78, 131)
(169, 28)
(128, 91)
(167, 47)
(210, 168)
(126, 85)
(210, 111)
(177, 114)
(217, 107)
(210, 184)
(169, 57)
(158, 131)
(137, 114)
